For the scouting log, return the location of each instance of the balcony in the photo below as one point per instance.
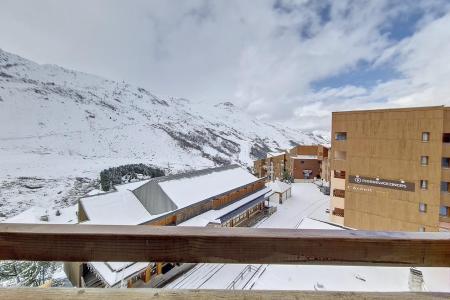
(217, 245)
(339, 174)
(339, 193)
(338, 212)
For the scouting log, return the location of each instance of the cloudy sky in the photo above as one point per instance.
(291, 61)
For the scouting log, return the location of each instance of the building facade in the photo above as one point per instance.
(300, 162)
(390, 169)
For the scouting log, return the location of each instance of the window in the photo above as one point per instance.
(425, 136)
(424, 184)
(422, 228)
(422, 207)
(446, 138)
(444, 211)
(341, 136)
(424, 160)
(446, 162)
(444, 186)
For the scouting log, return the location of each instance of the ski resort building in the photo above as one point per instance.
(276, 164)
(228, 196)
(391, 169)
(302, 162)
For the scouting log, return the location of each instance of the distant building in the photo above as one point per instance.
(276, 165)
(230, 196)
(391, 169)
(300, 162)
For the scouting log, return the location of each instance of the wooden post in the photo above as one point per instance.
(148, 273)
(158, 268)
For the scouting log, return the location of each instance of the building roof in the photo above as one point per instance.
(304, 157)
(279, 186)
(196, 187)
(215, 216)
(68, 215)
(122, 207)
(393, 109)
(112, 273)
(274, 154)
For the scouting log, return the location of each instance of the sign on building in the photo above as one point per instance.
(384, 183)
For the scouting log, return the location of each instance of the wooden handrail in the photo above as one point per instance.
(148, 294)
(222, 245)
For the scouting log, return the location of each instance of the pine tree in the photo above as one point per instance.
(26, 273)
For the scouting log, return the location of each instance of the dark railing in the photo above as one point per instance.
(217, 245)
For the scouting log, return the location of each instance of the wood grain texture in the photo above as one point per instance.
(138, 294)
(222, 245)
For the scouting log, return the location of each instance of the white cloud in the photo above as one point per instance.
(264, 55)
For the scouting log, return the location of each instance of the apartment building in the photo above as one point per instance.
(300, 162)
(390, 169)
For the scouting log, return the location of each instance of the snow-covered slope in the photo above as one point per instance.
(57, 124)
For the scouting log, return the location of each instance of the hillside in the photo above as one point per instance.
(60, 127)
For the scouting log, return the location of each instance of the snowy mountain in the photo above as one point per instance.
(59, 128)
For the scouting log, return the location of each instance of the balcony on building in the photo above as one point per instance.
(339, 174)
(339, 193)
(339, 212)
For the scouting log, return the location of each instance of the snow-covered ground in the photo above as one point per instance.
(58, 124)
(306, 204)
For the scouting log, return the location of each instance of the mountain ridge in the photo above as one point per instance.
(60, 123)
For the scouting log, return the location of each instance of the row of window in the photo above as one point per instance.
(444, 211)
(342, 136)
(426, 137)
(445, 162)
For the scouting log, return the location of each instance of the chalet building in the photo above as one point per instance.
(229, 196)
(390, 169)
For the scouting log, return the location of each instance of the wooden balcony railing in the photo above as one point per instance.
(339, 193)
(338, 212)
(217, 245)
(340, 175)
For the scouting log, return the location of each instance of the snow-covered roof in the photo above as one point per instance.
(196, 187)
(279, 186)
(33, 215)
(304, 157)
(131, 186)
(113, 273)
(213, 216)
(119, 208)
(273, 154)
